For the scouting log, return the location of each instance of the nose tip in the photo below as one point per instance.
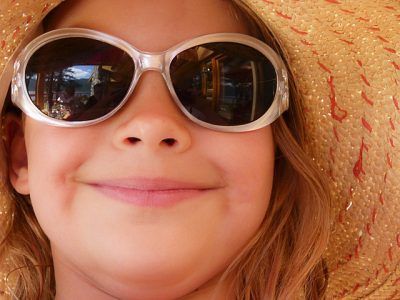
(153, 131)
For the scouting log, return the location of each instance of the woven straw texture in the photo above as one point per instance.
(346, 58)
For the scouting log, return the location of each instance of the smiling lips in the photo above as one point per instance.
(151, 192)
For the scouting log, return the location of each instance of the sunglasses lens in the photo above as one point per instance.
(224, 83)
(78, 79)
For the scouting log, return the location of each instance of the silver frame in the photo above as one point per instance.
(159, 61)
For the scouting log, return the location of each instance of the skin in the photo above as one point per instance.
(106, 249)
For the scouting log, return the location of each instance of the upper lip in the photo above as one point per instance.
(154, 184)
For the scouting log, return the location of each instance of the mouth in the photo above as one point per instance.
(157, 192)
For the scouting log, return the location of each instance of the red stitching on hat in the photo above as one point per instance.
(347, 11)
(390, 7)
(368, 229)
(28, 19)
(324, 67)
(356, 252)
(298, 30)
(3, 44)
(365, 97)
(362, 19)
(336, 134)
(395, 65)
(347, 42)
(364, 78)
(389, 160)
(381, 198)
(391, 50)
(281, 14)
(333, 1)
(391, 122)
(268, 2)
(368, 282)
(396, 103)
(359, 62)
(385, 268)
(337, 31)
(366, 125)
(391, 142)
(374, 28)
(334, 104)
(355, 288)
(390, 254)
(373, 215)
(382, 39)
(358, 167)
(398, 240)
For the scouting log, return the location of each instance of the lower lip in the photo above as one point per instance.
(149, 198)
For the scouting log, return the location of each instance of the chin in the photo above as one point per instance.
(158, 288)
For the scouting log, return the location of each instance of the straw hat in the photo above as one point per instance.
(346, 57)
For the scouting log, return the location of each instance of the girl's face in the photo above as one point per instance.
(195, 196)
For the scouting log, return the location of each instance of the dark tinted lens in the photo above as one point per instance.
(224, 83)
(78, 79)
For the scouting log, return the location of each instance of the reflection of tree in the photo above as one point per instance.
(47, 87)
(65, 78)
(49, 83)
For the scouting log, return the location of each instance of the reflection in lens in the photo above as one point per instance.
(78, 79)
(224, 83)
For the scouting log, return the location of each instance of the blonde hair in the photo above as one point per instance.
(282, 261)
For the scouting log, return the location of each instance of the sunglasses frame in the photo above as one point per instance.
(144, 61)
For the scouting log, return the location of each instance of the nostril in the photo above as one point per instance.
(169, 141)
(133, 140)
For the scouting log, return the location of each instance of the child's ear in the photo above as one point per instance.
(16, 153)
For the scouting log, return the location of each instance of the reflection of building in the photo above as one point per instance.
(228, 83)
(100, 74)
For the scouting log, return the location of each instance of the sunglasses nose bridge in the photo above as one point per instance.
(152, 61)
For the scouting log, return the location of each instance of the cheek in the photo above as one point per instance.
(52, 161)
(247, 163)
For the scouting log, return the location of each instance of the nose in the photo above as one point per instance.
(151, 119)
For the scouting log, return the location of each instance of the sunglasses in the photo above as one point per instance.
(78, 77)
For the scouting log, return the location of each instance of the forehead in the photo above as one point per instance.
(150, 25)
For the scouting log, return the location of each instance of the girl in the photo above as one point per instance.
(185, 185)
